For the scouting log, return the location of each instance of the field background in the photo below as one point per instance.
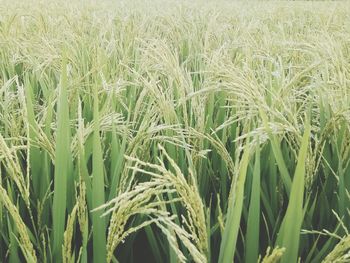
(167, 131)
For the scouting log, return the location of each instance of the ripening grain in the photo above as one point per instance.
(155, 131)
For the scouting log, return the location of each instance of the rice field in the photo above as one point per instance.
(161, 131)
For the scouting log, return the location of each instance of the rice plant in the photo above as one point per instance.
(154, 131)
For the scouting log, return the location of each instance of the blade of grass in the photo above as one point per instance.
(235, 203)
(277, 152)
(98, 191)
(62, 164)
(253, 225)
(289, 235)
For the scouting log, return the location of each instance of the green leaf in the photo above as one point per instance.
(289, 235)
(62, 164)
(253, 224)
(98, 191)
(277, 152)
(235, 204)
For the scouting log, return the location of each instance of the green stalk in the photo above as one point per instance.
(253, 225)
(289, 235)
(98, 191)
(62, 164)
(234, 211)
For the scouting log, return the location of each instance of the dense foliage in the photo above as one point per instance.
(162, 132)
